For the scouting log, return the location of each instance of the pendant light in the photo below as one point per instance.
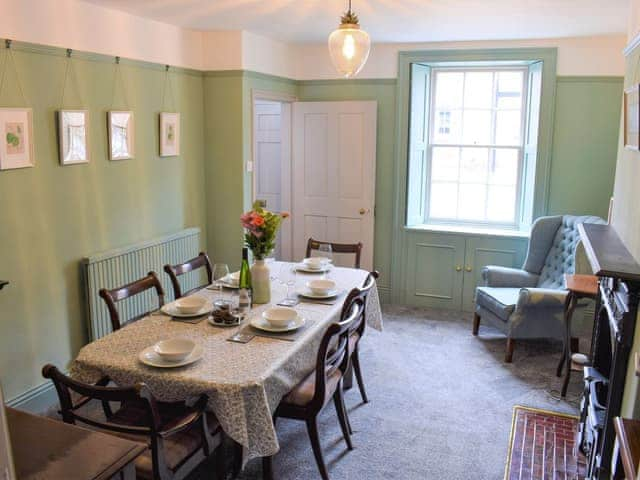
(349, 45)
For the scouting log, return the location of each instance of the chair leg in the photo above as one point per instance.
(220, 459)
(338, 401)
(508, 356)
(312, 428)
(561, 362)
(355, 361)
(476, 324)
(267, 468)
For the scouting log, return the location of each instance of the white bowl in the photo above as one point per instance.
(175, 349)
(321, 287)
(190, 304)
(315, 263)
(233, 278)
(280, 316)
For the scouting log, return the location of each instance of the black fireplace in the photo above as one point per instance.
(612, 339)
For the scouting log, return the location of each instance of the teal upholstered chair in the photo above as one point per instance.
(529, 302)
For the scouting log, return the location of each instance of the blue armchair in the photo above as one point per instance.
(529, 302)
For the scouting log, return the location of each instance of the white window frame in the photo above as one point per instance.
(520, 147)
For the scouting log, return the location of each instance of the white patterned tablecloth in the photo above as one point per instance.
(244, 382)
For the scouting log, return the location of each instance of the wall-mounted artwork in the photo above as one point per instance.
(169, 134)
(121, 135)
(632, 118)
(73, 136)
(16, 130)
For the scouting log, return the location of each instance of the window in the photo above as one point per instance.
(468, 128)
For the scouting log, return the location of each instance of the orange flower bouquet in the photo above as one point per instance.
(261, 227)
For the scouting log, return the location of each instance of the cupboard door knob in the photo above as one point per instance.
(468, 269)
(458, 268)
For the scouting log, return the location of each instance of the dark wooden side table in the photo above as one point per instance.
(579, 287)
(628, 440)
(48, 449)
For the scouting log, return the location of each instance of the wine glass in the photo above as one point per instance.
(325, 251)
(220, 272)
(288, 277)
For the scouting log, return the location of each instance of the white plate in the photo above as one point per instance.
(302, 268)
(149, 357)
(261, 324)
(216, 324)
(307, 293)
(171, 310)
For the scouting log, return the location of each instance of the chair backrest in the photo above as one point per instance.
(111, 297)
(333, 353)
(552, 248)
(360, 295)
(174, 271)
(354, 248)
(72, 412)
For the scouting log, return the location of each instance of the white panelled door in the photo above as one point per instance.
(334, 160)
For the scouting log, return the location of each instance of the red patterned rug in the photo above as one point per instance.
(542, 446)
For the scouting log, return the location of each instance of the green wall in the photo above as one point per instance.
(585, 143)
(52, 216)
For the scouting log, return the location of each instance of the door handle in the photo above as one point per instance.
(458, 268)
(362, 211)
(468, 268)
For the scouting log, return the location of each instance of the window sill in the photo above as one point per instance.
(466, 230)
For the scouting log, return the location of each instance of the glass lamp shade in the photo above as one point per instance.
(349, 49)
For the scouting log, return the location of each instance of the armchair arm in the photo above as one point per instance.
(495, 276)
(191, 416)
(541, 298)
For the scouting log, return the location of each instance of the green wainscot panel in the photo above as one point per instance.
(434, 270)
(482, 251)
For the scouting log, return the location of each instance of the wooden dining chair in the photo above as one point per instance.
(356, 330)
(179, 437)
(174, 271)
(111, 297)
(354, 248)
(306, 400)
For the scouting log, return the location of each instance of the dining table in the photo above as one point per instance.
(243, 381)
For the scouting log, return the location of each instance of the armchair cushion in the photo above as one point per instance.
(495, 276)
(499, 301)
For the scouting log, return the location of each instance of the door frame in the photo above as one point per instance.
(286, 100)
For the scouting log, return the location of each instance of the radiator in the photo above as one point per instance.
(118, 267)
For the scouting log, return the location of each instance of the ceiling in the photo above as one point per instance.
(391, 20)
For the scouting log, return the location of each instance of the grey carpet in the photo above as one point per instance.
(440, 403)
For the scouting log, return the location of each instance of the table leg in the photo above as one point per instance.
(567, 340)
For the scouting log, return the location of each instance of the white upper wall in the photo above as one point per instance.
(84, 26)
(576, 56)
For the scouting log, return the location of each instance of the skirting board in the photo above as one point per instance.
(37, 400)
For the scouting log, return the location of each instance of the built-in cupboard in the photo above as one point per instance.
(443, 269)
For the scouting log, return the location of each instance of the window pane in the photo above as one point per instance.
(501, 203)
(473, 165)
(449, 90)
(507, 127)
(477, 127)
(478, 90)
(503, 167)
(471, 201)
(444, 164)
(443, 202)
(447, 126)
(510, 90)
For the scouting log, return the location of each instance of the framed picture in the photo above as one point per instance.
(632, 118)
(16, 128)
(73, 136)
(121, 135)
(169, 134)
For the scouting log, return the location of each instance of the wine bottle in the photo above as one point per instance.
(244, 300)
